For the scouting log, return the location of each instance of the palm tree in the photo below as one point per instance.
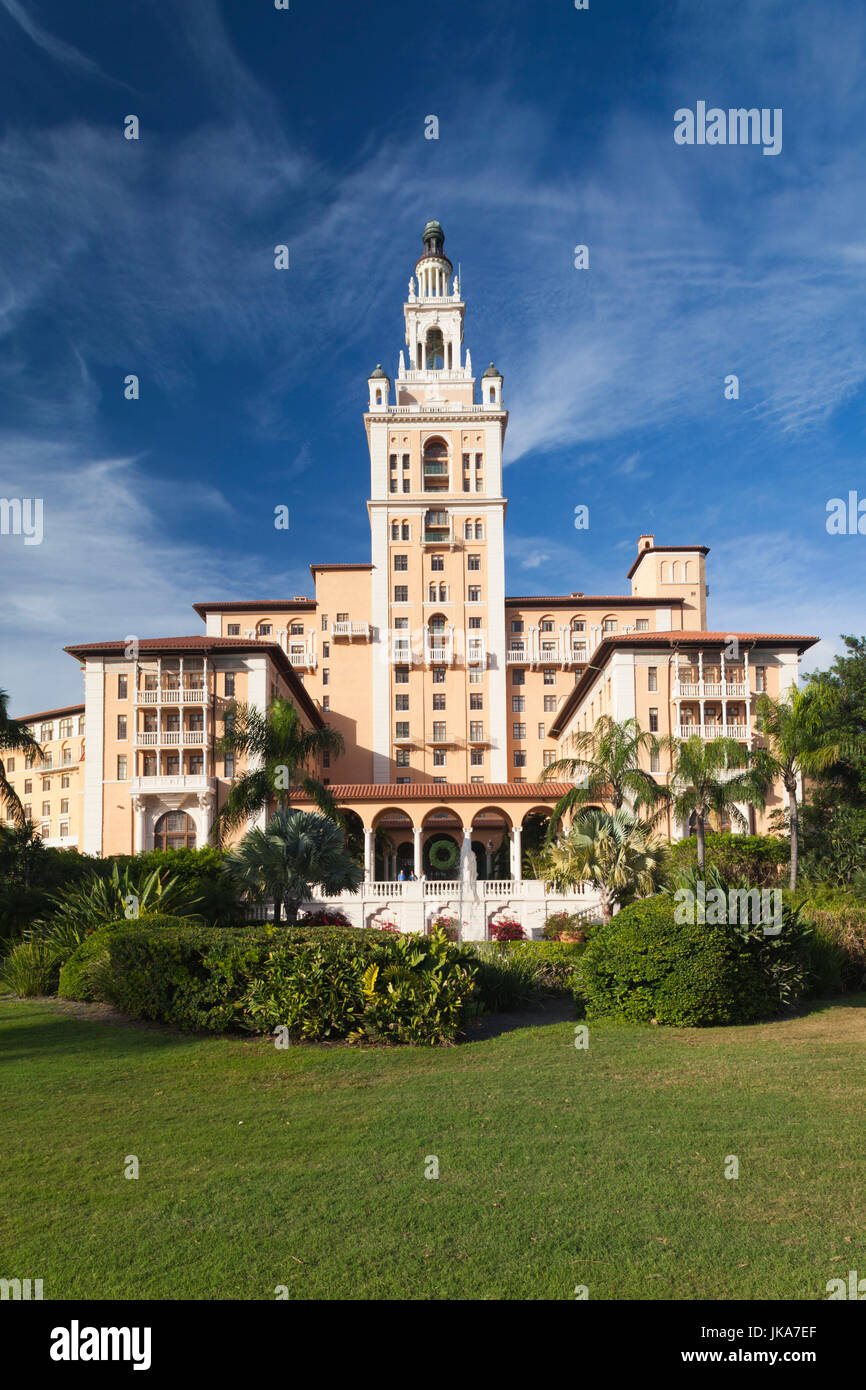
(296, 851)
(713, 776)
(611, 849)
(13, 736)
(281, 749)
(607, 764)
(798, 742)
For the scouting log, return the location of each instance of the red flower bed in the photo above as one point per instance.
(506, 929)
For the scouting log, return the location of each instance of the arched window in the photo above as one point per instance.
(174, 830)
(434, 352)
(435, 465)
(437, 622)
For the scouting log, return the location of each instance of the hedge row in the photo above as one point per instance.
(316, 982)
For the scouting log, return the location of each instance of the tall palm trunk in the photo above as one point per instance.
(699, 833)
(607, 903)
(794, 825)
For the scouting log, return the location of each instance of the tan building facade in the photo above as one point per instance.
(441, 684)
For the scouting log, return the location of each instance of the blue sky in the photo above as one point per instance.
(306, 127)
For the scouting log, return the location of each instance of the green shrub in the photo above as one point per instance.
(82, 974)
(643, 965)
(29, 969)
(318, 982)
(760, 860)
(839, 925)
(513, 974)
(201, 875)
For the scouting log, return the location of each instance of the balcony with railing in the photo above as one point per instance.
(438, 649)
(172, 695)
(441, 738)
(170, 738)
(740, 732)
(704, 689)
(351, 629)
(158, 784)
(301, 654)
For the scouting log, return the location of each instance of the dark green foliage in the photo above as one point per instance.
(318, 982)
(838, 921)
(30, 874)
(643, 966)
(81, 967)
(515, 974)
(758, 859)
(202, 874)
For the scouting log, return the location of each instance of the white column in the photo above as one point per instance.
(138, 809)
(418, 865)
(516, 854)
(467, 845)
(368, 855)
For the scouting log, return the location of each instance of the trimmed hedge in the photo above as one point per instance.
(512, 974)
(643, 966)
(317, 982)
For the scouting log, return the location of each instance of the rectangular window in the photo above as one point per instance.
(46, 784)
(407, 486)
(476, 675)
(326, 758)
(476, 730)
(326, 703)
(403, 781)
(547, 625)
(121, 767)
(439, 700)
(476, 700)
(401, 562)
(518, 731)
(326, 649)
(654, 721)
(438, 757)
(518, 704)
(392, 461)
(476, 779)
(653, 677)
(401, 702)
(64, 781)
(473, 562)
(46, 808)
(395, 530)
(324, 622)
(121, 726)
(476, 757)
(518, 677)
(401, 675)
(439, 730)
(28, 786)
(233, 629)
(265, 629)
(10, 764)
(578, 625)
(438, 675)
(550, 704)
(761, 679)
(548, 757)
(392, 486)
(401, 593)
(401, 728)
(549, 676)
(517, 625)
(229, 765)
(519, 757)
(474, 594)
(326, 675)
(64, 829)
(437, 562)
(541, 733)
(654, 762)
(610, 625)
(642, 625)
(405, 531)
(402, 757)
(46, 733)
(229, 684)
(121, 695)
(405, 462)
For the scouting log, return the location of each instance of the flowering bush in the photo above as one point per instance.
(325, 917)
(444, 923)
(506, 929)
(564, 926)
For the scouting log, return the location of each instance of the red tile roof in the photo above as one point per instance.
(49, 714)
(590, 601)
(665, 549)
(274, 605)
(444, 791)
(210, 644)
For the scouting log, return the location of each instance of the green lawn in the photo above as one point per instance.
(558, 1167)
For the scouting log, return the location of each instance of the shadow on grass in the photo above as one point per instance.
(540, 1015)
(38, 1028)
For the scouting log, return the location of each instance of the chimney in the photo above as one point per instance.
(645, 543)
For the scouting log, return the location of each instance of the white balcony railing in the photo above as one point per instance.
(197, 695)
(170, 738)
(301, 656)
(699, 690)
(740, 732)
(439, 653)
(158, 783)
(516, 656)
(351, 629)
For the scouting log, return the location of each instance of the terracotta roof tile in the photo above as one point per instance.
(444, 791)
(49, 714)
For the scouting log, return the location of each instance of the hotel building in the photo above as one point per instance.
(450, 694)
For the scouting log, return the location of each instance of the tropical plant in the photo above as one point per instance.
(296, 851)
(713, 776)
(281, 750)
(614, 850)
(29, 969)
(606, 765)
(14, 736)
(799, 743)
(126, 894)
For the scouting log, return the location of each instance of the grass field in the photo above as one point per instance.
(558, 1167)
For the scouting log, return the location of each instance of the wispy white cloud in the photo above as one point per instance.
(54, 47)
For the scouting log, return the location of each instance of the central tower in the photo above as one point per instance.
(437, 518)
